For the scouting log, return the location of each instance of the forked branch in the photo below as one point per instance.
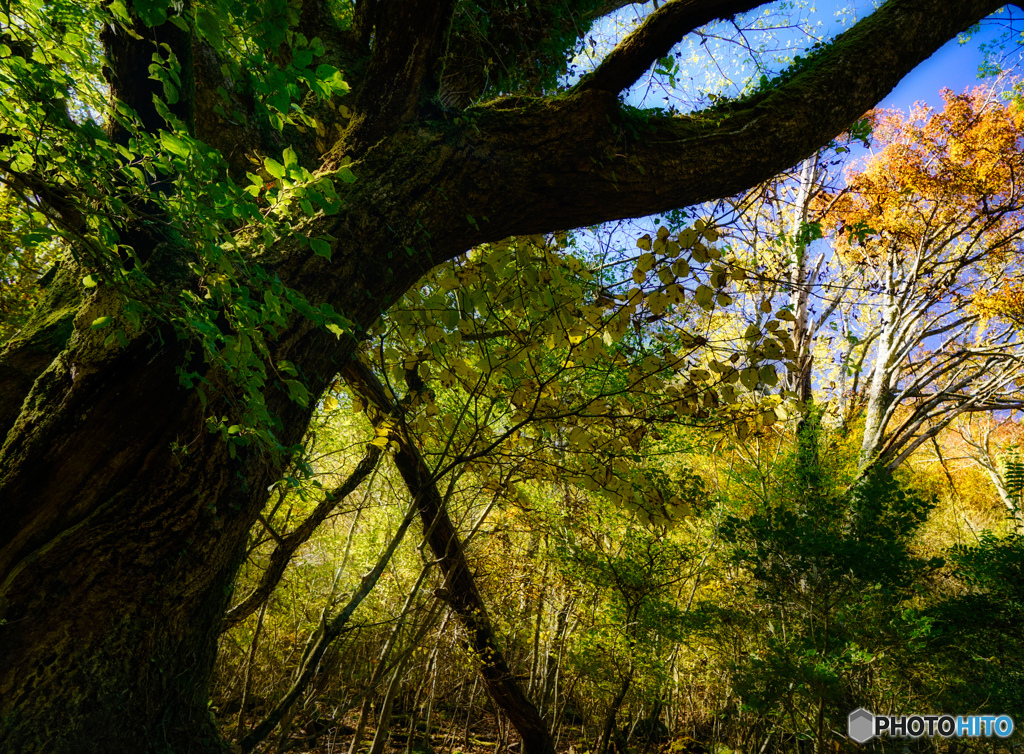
(289, 543)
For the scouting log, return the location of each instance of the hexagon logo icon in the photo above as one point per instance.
(860, 725)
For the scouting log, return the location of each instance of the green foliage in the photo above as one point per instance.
(633, 575)
(22, 265)
(75, 194)
(532, 379)
(488, 39)
(978, 637)
(799, 64)
(828, 602)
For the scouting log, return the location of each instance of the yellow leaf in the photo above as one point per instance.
(742, 430)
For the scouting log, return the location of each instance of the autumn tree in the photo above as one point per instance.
(943, 207)
(993, 443)
(238, 192)
(893, 279)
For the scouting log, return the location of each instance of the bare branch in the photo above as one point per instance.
(462, 592)
(332, 630)
(290, 542)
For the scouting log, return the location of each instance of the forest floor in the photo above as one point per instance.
(446, 736)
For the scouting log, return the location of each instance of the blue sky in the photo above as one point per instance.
(954, 66)
(703, 61)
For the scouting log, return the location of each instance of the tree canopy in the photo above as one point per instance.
(215, 209)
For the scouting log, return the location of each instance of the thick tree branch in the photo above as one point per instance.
(129, 53)
(656, 37)
(362, 24)
(592, 162)
(409, 41)
(582, 158)
(232, 135)
(495, 45)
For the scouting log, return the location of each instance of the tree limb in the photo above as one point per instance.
(332, 630)
(129, 53)
(581, 158)
(408, 43)
(656, 37)
(290, 542)
(462, 592)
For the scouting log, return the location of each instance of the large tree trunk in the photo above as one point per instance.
(118, 553)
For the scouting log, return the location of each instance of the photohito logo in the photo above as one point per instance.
(862, 726)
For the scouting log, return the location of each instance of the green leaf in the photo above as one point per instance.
(152, 12)
(89, 281)
(333, 78)
(290, 158)
(297, 392)
(208, 24)
(321, 248)
(100, 322)
(118, 9)
(274, 167)
(175, 145)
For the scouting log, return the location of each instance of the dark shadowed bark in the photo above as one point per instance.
(123, 520)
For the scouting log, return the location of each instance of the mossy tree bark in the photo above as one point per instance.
(123, 519)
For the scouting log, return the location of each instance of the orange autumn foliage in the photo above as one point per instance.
(946, 186)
